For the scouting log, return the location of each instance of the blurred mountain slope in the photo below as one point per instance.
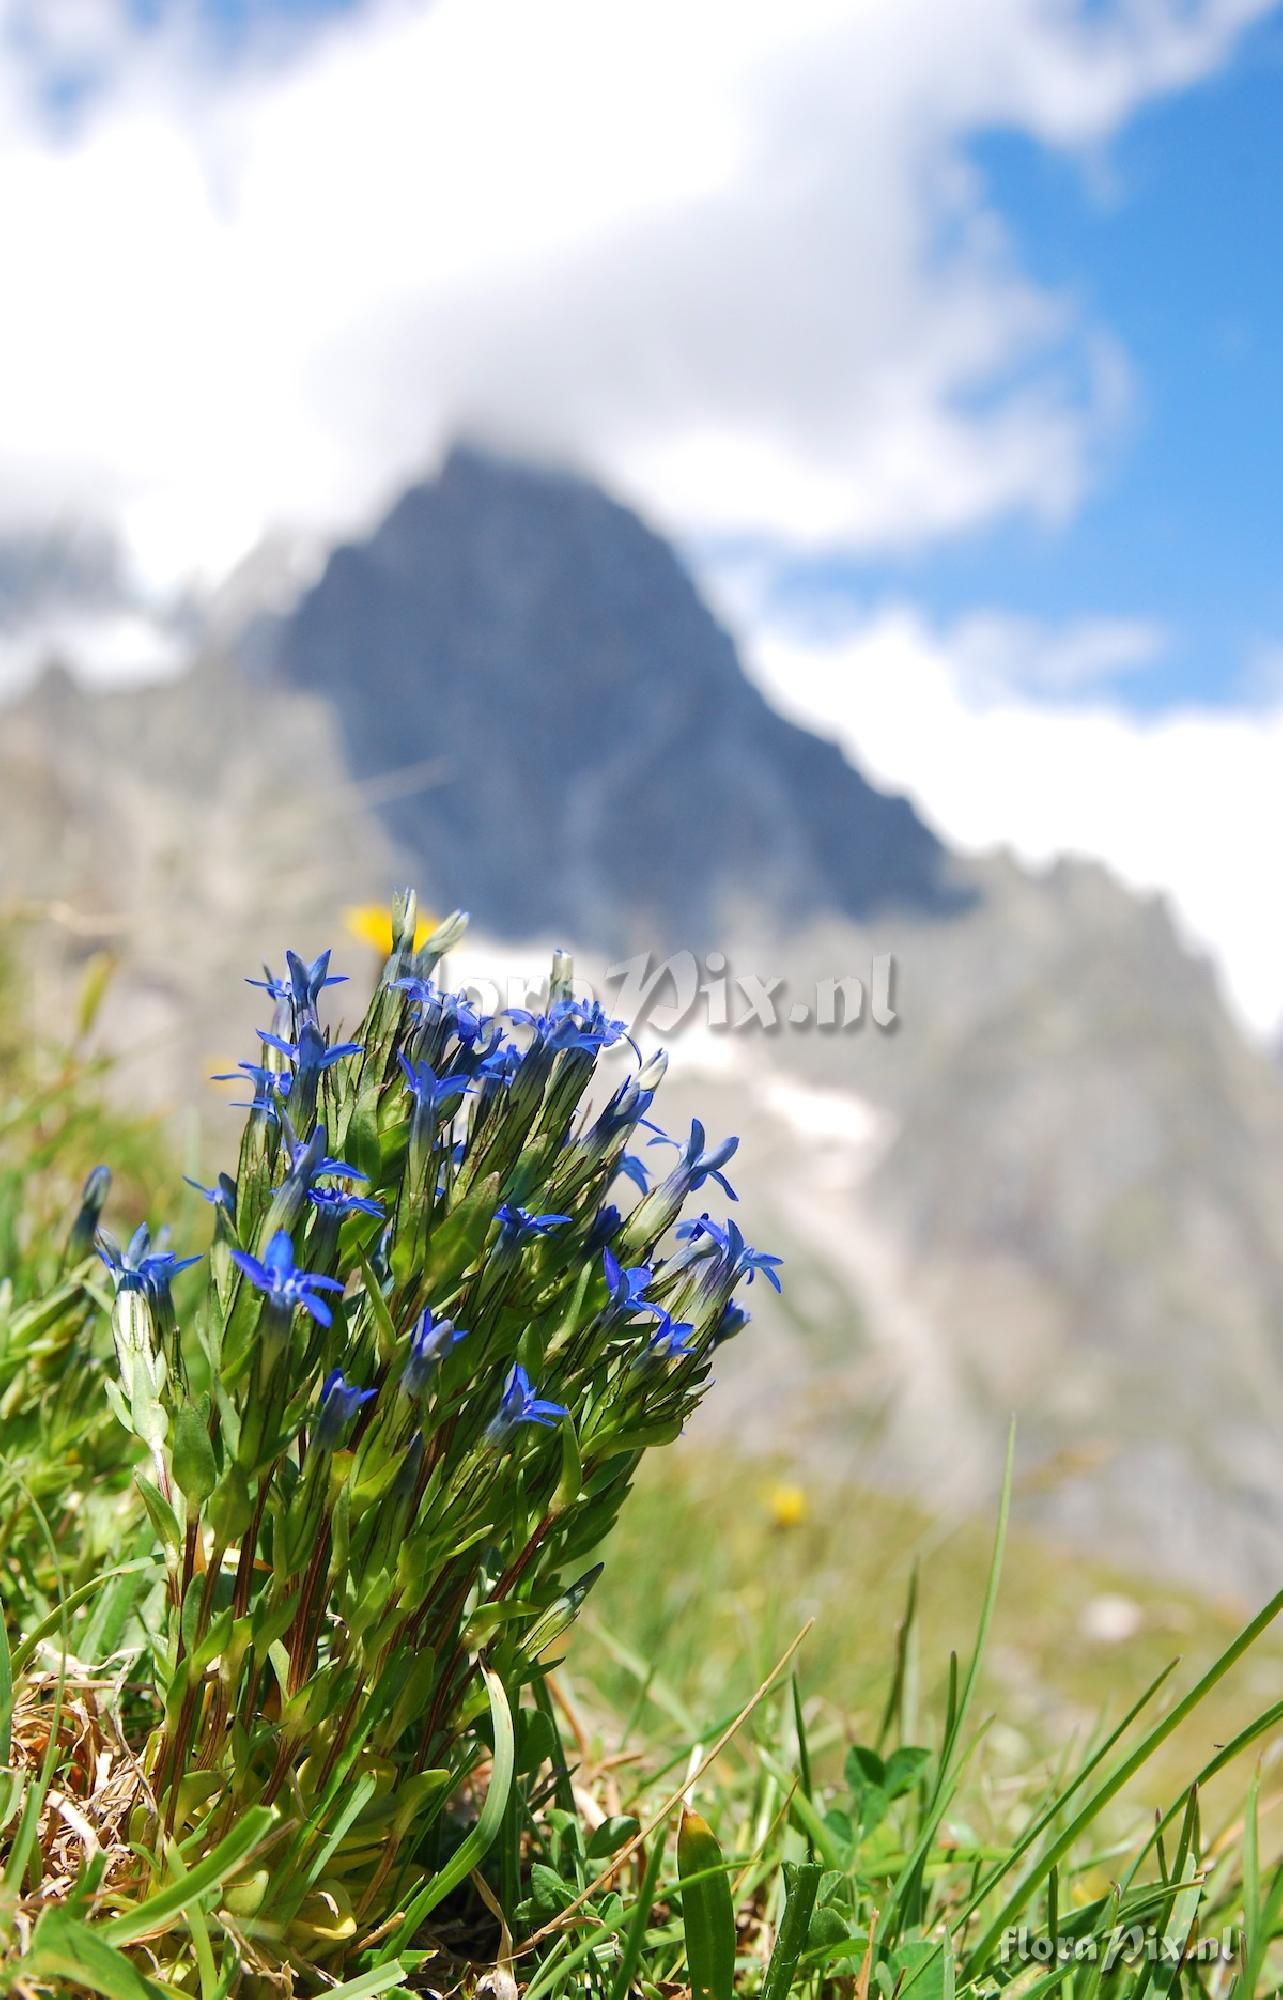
(1061, 1196)
(190, 830)
(1055, 1188)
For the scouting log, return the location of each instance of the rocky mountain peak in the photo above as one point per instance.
(604, 767)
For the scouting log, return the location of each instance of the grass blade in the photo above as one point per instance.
(1119, 1777)
(478, 1842)
(158, 1912)
(65, 1949)
(633, 1943)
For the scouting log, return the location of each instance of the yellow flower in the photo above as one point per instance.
(787, 1504)
(370, 923)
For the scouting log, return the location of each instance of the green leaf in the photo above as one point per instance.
(117, 1404)
(145, 1406)
(161, 1515)
(457, 1240)
(708, 1914)
(189, 1616)
(925, 1969)
(864, 1768)
(215, 1640)
(642, 1439)
(361, 1141)
(560, 1614)
(536, 1740)
(63, 1947)
(378, 1306)
(194, 1466)
(572, 1471)
(801, 1882)
(827, 1927)
(610, 1836)
(903, 1769)
(549, 1895)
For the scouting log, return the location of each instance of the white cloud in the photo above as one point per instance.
(999, 653)
(728, 254)
(124, 645)
(1188, 803)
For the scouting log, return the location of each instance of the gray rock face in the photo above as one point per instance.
(606, 771)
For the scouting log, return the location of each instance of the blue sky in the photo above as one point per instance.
(1181, 254)
(1171, 237)
(240, 19)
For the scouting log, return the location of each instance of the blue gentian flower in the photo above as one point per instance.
(139, 1268)
(468, 1025)
(705, 1238)
(606, 1224)
(309, 1159)
(430, 1342)
(597, 1029)
(302, 983)
(93, 1199)
(452, 1011)
(93, 1195)
(276, 989)
(699, 1164)
(520, 1405)
(627, 1288)
(270, 1088)
(339, 1404)
(573, 1024)
(669, 1342)
(307, 981)
(221, 1195)
(733, 1320)
(752, 1261)
(311, 1053)
(634, 1170)
(283, 1285)
(516, 1223)
(429, 1091)
(696, 1226)
(340, 1202)
(736, 1251)
(500, 1063)
(628, 1107)
(423, 992)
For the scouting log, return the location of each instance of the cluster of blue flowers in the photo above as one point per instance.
(447, 1308)
(449, 1056)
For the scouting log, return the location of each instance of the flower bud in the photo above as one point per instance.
(93, 1198)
